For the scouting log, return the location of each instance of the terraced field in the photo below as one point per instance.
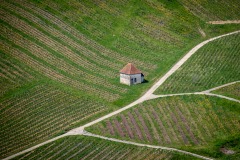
(230, 91)
(76, 147)
(42, 112)
(215, 64)
(180, 121)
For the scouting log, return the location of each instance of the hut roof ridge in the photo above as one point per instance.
(130, 69)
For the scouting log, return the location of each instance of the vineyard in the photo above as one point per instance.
(59, 69)
(49, 54)
(216, 10)
(86, 50)
(181, 121)
(230, 91)
(76, 147)
(42, 112)
(13, 74)
(215, 64)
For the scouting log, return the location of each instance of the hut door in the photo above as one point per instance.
(131, 81)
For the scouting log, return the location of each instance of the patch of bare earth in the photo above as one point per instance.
(202, 32)
(226, 151)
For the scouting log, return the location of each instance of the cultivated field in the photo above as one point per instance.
(85, 48)
(214, 10)
(215, 64)
(55, 55)
(59, 69)
(76, 147)
(179, 121)
(42, 112)
(13, 74)
(230, 91)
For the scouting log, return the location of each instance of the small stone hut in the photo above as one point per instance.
(131, 75)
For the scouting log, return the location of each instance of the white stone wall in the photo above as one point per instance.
(138, 78)
(131, 79)
(125, 79)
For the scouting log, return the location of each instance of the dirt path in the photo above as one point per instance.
(225, 85)
(206, 92)
(220, 96)
(225, 22)
(181, 62)
(145, 145)
(147, 96)
(197, 93)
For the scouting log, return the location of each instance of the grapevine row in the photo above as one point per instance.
(191, 121)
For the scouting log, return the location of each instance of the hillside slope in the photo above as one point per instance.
(84, 44)
(67, 55)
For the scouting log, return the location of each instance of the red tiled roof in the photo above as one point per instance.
(130, 69)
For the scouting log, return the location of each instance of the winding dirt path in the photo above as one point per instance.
(147, 96)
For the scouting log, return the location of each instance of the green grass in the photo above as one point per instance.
(79, 147)
(214, 64)
(187, 122)
(230, 91)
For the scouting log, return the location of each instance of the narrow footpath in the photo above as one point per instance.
(225, 22)
(206, 92)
